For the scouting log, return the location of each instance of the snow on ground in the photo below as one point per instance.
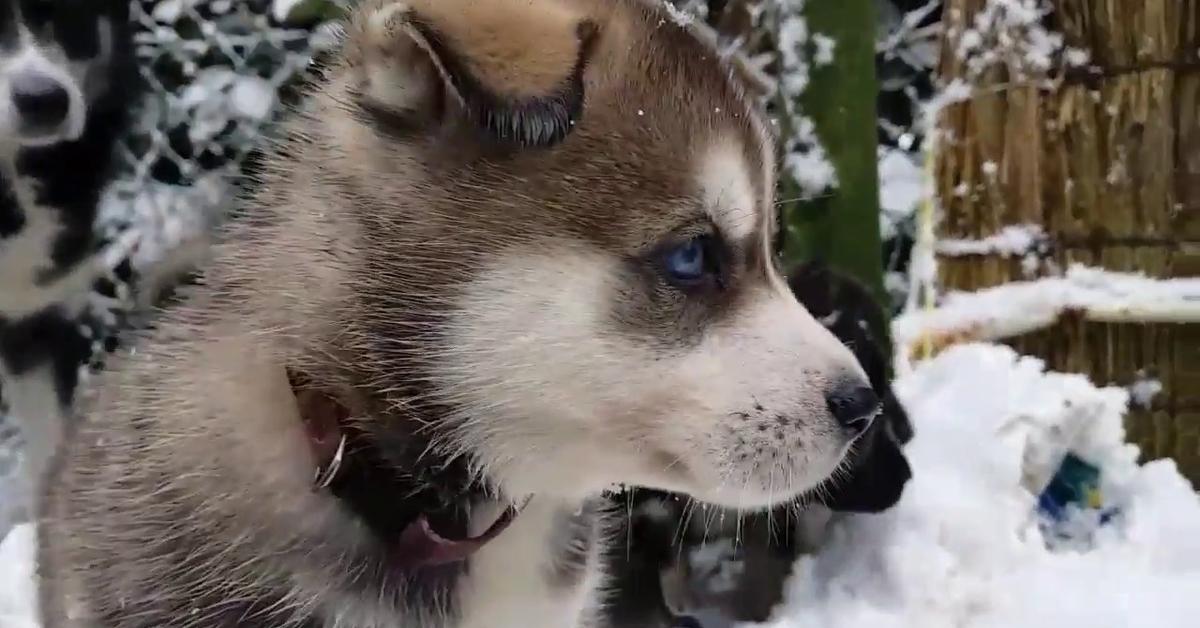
(963, 549)
(16, 578)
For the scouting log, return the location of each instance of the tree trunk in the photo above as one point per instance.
(840, 225)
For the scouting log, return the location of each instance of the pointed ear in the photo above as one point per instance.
(811, 283)
(513, 68)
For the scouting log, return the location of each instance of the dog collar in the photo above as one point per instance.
(420, 545)
(417, 544)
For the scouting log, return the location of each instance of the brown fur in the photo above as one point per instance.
(494, 40)
(420, 199)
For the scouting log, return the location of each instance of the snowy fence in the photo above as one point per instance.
(1064, 176)
(214, 71)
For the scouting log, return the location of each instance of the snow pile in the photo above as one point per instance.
(962, 548)
(16, 578)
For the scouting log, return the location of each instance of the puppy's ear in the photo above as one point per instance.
(514, 68)
(811, 283)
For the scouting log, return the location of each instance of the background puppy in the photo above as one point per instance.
(507, 254)
(655, 576)
(67, 84)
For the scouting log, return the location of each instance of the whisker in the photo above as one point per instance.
(803, 199)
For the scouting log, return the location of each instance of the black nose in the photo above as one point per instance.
(853, 405)
(42, 101)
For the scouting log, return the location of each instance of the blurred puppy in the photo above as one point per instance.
(67, 78)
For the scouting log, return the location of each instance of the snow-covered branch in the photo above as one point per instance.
(1022, 307)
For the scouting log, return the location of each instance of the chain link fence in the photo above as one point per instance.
(215, 71)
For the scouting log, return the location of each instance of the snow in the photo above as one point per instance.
(825, 46)
(218, 96)
(16, 578)
(806, 160)
(901, 188)
(962, 548)
(714, 568)
(149, 220)
(679, 16)
(282, 9)
(1143, 390)
(904, 38)
(252, 97)
(1077, 57)
(1012, 241)
(168, 11)
(811, 169)
(1019, 307)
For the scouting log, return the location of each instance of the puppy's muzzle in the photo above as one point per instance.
(42, 104)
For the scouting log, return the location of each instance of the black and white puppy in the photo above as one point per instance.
(68, 81)
(656, 575)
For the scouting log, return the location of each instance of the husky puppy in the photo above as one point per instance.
(656, 584)
(507, 254)
(66, 77)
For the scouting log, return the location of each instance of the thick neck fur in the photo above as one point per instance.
(254, 544)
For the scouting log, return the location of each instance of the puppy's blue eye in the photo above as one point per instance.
(688, 263)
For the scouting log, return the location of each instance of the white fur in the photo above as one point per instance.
(78, 78)
(23, 255)
(561, 404)
(728, 195)
(507, 583)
